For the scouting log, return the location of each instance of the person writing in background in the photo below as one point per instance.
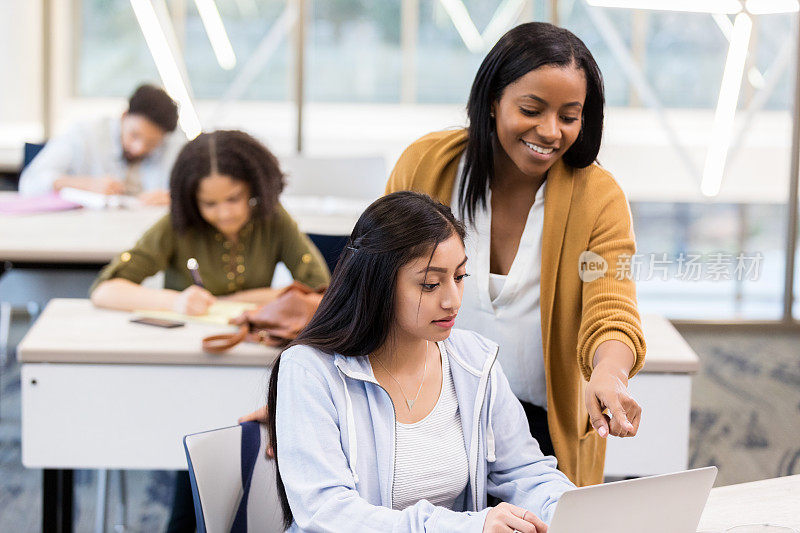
(385, 418)
(129, 155)
(523, 177)
(225, 215)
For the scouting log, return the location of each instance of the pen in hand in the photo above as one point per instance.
(194, 270)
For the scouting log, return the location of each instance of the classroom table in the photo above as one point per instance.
(88, 236)
(100, 392)
(118, 395)
(770, 501)
(95, 236)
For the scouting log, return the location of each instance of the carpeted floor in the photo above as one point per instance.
(745, 420)
(746, 405)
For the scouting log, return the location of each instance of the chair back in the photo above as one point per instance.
(233, 482)
(330, 246)
(31, 151)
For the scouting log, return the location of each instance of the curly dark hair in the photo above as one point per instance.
(230, 153)
(155, 105)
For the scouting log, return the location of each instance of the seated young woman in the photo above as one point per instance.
(225, 215)
(384, 418)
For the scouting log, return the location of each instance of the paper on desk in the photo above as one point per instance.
(96, 200)
(219, 313)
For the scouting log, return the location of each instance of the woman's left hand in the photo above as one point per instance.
(608, 389)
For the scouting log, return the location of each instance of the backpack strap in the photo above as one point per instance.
(251, 445)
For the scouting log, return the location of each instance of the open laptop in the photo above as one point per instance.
(668, 503)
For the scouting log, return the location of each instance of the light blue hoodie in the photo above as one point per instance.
(336, 438)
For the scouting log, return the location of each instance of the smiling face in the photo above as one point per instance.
(223, 202)
(428, 297)
(538, 117)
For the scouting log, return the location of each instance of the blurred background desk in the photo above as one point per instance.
(88, 236)
(58, 255)
(52, 255)
(83, 236)
(100, 392)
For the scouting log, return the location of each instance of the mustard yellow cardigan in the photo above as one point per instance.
(584, 210)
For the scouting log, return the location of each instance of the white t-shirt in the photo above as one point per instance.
(506, 308)
(430, 455)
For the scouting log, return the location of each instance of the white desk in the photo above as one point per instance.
(96, 236)
(77, 236)
(101, 392)
(771, 501)
(131, 391)
(179, 390)
(663, 388)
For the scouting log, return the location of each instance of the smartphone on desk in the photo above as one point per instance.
(157, 322)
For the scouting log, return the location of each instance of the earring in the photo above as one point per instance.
(252, 202)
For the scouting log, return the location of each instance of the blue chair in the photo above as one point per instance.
(330, 246)
(233, 482)
(31, 151)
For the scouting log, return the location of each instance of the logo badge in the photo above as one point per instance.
(591, 266)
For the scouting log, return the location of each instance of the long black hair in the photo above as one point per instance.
(522, 49)
(356, 315)
(231, 153)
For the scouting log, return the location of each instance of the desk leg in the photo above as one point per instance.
(57, 501)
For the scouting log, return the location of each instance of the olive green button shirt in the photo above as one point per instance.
(224, 266)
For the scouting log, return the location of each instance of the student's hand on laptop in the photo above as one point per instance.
(159, 197)
(506, 518)
(608, 390)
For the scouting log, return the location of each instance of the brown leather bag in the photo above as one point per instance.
(274, 324)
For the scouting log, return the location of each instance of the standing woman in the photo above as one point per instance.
(523, 176)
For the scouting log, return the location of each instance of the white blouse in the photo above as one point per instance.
(430, 455)
(506, 308)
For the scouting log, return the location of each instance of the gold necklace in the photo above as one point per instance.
(410, 403)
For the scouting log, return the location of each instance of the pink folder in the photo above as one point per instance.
(24, 205)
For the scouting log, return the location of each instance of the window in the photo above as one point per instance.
(699, 257)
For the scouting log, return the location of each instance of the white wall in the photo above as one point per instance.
(21, 72)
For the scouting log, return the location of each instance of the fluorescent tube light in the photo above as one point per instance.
(724, 23)
(217, 35)
(502, 20)
(728, 7)
(167, 66)
(464, 26)
(722, 129)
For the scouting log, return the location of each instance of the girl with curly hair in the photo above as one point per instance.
(225, 214)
